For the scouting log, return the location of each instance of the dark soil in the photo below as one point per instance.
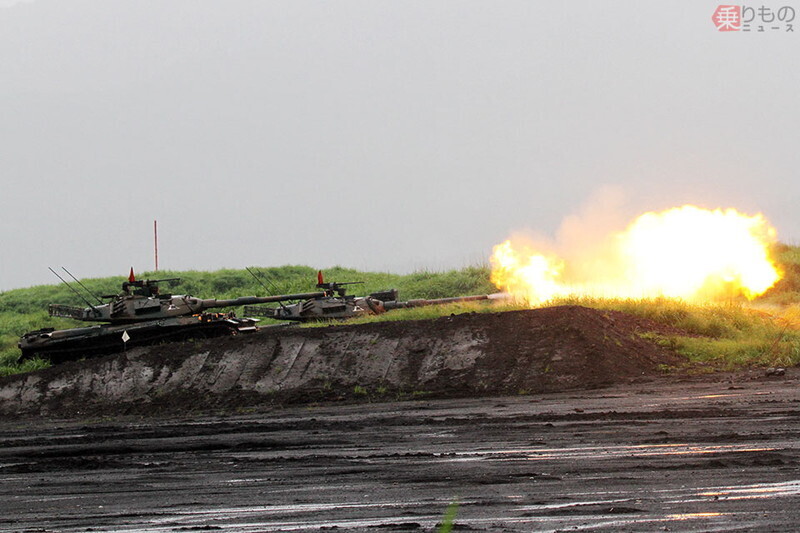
(542, 350)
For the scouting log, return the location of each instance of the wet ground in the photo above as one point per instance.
(658, 456)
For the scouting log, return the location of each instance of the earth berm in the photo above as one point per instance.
(532, 351)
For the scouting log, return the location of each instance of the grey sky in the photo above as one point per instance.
(379, 135)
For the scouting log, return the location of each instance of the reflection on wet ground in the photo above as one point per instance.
(609, 452)
(672, 457)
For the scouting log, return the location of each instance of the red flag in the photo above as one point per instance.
(131, 277)
(319, 277)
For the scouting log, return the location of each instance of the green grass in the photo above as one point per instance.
(449, 518)
(423, 313)
(27, 366)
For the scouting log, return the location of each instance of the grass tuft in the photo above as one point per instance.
(26, 366)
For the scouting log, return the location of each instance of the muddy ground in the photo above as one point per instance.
(658, 456)
(558, 419)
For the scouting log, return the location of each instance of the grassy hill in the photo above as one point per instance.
(23, 310)
(766, 332)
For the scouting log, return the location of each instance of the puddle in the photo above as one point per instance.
(568, 505)
(692, 516)
(601, 452)
(754, 491)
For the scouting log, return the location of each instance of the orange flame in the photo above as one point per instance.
(686, 252)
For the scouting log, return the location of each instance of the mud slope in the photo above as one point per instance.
(539, 350)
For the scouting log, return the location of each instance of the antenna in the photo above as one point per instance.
(259, 281)
(262, 284)
(82, 285)
(74, 290)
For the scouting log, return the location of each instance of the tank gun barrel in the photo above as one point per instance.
(438, 301)
(251, 300)
(162, 280)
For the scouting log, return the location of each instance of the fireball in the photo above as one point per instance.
(687, 252)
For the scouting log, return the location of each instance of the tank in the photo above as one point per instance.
(139, 315)
(334, 303)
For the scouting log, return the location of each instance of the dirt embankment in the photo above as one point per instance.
(539, 350)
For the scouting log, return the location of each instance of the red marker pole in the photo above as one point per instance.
(155, 241)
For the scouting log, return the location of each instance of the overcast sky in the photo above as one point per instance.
(383, 135)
